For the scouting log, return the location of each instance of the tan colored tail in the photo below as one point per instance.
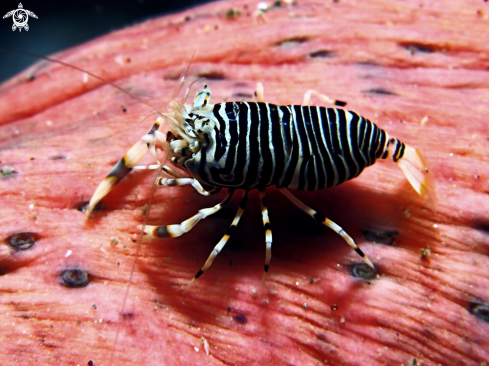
(416, 172)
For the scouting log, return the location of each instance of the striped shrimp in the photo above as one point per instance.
(254, 145)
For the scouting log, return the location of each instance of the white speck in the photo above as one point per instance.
(435, 226)
(100, 321)
(119, 59)
(32, 206)
(342, 320)
(263, 6)
(297, 283)
(85, 78)
(423, 120)
(68, 253)
(49, 123)
(206, 345)
(451, 154)
(196, 349)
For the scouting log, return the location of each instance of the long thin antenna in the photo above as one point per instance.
(81, 70)
(128, 285)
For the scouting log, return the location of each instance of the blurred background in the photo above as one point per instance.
(62, 24)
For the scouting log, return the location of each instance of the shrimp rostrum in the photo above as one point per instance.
(253, 145)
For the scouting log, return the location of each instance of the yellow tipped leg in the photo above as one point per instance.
(324, 98)
(217, 249)
(119, 171)
(259, 94)
(327, 222)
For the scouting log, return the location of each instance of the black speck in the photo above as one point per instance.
(294, 41)
(415, 47)
(22, 241)
(386, 237)
(82, 206)
(363, 271)
(480, 311)
(380, 91)
(322, 54)
(74, 278)
(94, 306)
(241, 318)
(242, 96)
(58, 157)
(212, 75)
(91, 363)
(127, 315)
(229, 309)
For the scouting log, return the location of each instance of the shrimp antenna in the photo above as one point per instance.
(134, 96)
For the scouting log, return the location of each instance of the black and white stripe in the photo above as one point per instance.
(255, 145)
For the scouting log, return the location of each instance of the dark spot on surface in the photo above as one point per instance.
(242, 96)
(94, 306)
(82, 206)
(415, 47)
(232, 13)
(74, 278)
(386, 237)
(58, 157)
(481, 226)
(321, 337)
(379, 91)
(311, 280)
(294, 41)
(31, 77)
(188, 18)
(425, 253)
(127, 315)
(124, 109)
(229, 309)
(211, 75)
(322, 54)
(22, 241)
(363, 271)
(241, 318)
(334, 307)
(480, 311)
(91, 363)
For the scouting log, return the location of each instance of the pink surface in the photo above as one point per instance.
(419, 70)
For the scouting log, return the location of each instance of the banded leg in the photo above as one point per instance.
(268, 232)
(217, 249)
(327, 222)
(324, 98)
(172, 231)
(178, 182)
(130, 159)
